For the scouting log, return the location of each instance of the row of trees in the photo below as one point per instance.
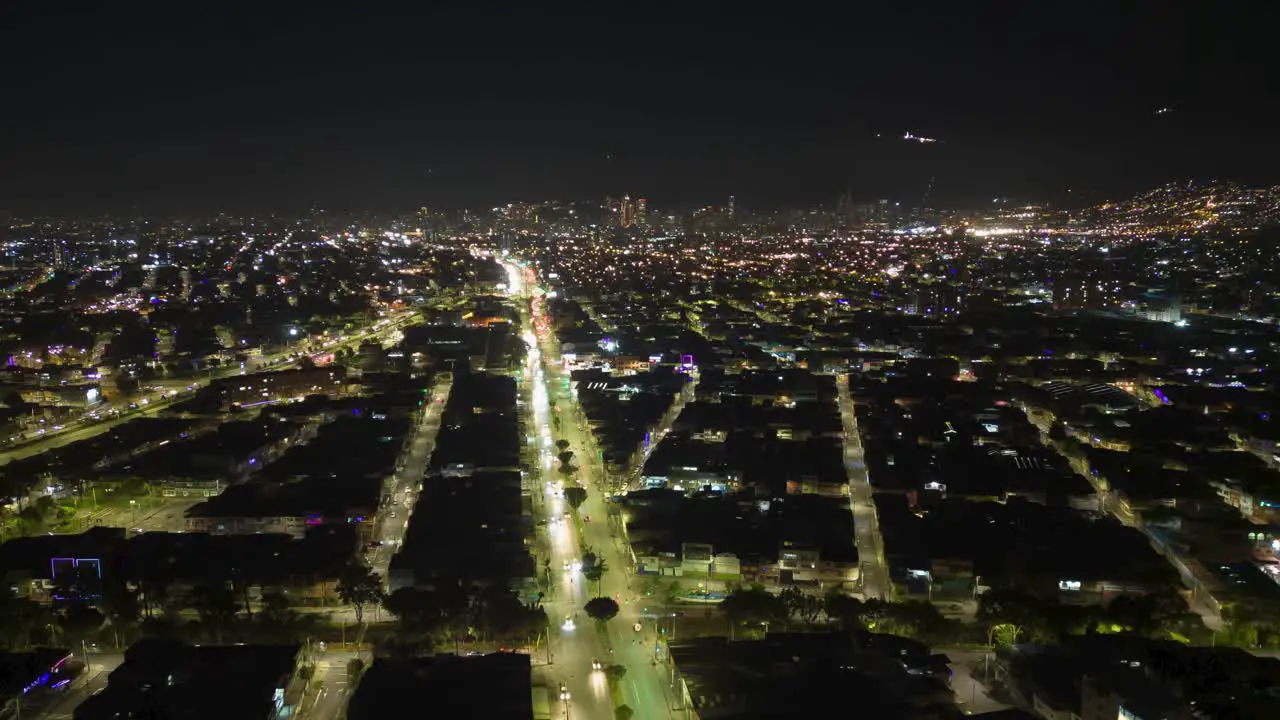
(24, 623)
(1004, 616)
(216, 611)
(19, 479)
(459, 612)
(755, 607)
(594, 568)
(35, 518)
(223, 610)
(1011, 616)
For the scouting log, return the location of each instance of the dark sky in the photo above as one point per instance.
(386, 107)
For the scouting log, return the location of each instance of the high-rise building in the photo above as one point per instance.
(732, 209)
(1162, 306)
(642, 210)
(627, 213)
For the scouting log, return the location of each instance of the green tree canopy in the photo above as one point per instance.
(602, 609)
(753, 605)
(575, 496)
(844, 609)
(359, 587)
(1028, 616)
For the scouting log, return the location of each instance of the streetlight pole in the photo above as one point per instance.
(84, 649)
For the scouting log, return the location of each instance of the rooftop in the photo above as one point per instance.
(495, 687)
(163, 679)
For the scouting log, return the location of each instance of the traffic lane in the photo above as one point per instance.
(588, 691)
(574, 649)
(328, 702)
(391, 531)
(94, 679)
(70, 436)
(596, 527)
(81, 428)
(644, 687)
(971, 693)
(647, 690)
(573, 657)
(598, 535)
(574, 646)
(861, 502)
(169, 516)
(278, 361)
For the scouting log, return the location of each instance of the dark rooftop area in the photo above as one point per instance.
(162, 679)
(496, 686)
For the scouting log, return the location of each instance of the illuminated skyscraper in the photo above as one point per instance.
(627, 213)
(642, 210)
(732, 209)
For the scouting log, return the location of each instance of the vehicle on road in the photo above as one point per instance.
(596, 664)
(564, 691)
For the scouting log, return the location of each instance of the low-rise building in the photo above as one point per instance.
(791, 675)
(168, 679)
(497, 686)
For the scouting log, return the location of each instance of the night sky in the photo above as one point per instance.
(387, 108)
